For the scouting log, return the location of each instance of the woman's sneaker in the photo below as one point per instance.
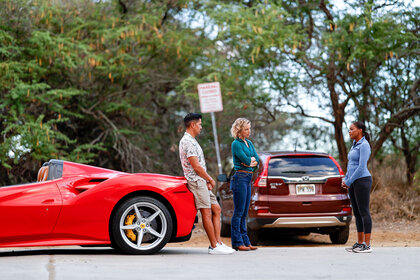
(355, 245)
(219, 250)
(363, 249)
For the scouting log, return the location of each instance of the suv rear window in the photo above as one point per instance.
(302, 166)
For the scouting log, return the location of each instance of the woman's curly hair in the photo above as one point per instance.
(238, 125)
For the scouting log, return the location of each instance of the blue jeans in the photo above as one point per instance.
(240, 185)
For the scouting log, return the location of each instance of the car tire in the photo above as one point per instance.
(143, 236)
(253, 235)
(224, 227)
(340, 236)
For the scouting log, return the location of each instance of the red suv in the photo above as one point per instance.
(299, 191)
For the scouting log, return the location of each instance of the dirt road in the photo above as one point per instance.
(397, 234)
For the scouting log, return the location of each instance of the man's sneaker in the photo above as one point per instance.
(363, 249)
(219, 250)
(227, 247)
(355, 245)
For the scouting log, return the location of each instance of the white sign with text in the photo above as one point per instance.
(210, 97)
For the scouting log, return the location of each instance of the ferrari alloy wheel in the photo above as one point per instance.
(141, 225)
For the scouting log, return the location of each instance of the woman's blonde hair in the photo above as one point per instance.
(238, 125)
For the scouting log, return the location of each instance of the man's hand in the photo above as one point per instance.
(211, 184)
(201, 172)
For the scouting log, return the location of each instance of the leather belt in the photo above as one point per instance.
(250, 172)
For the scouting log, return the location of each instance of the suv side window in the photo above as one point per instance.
(302, 166)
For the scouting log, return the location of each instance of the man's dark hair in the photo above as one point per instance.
(191, 117)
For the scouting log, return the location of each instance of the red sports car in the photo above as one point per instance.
(77, 204)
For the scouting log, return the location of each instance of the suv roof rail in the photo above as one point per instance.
(292, 152)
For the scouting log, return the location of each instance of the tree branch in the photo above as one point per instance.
(123, 6)
(414, 91)
(395, 121)
(384, 5)
(130, 154)
(310, 64)
(303, 113)
(327, 12)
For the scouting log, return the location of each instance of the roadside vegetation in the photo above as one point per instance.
(392, 198)
(108, 83)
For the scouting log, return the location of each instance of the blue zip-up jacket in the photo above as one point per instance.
(242, 154)
(358, 157)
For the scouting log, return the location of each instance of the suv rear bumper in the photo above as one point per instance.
(299, 222)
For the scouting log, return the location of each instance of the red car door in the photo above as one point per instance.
(28, 210)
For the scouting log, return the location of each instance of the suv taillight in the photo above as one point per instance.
(346, 209)
(261, 181)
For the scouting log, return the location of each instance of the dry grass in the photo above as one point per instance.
(392, 199)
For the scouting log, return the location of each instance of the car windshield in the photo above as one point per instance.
(302, 166)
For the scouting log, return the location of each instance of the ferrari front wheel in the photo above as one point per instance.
(141, 225)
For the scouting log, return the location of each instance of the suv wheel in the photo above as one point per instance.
(340, 236)
(253, 236)
(224, 227)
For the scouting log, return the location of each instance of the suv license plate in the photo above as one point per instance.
(305, 189)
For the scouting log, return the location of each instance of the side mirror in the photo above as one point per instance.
(222, 178)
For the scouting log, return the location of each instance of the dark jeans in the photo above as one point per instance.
(359, 193)
(240, 185)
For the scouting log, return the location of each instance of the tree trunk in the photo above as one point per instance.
(410, 156)
(341, 144)
(338, 112)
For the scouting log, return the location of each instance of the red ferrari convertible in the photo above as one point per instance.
(77, 204)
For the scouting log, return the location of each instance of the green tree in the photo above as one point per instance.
(316, 50)
(92, 82)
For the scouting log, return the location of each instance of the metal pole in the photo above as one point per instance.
(216, 142)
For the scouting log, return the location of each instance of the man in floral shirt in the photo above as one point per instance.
(200, 183)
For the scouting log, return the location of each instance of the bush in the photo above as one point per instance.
(391, 197)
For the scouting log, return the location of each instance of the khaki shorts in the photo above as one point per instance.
(203, 197)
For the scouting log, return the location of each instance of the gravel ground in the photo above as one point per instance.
(384, 234)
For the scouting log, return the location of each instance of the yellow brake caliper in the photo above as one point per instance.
(129, 232)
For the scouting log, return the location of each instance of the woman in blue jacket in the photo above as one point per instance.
(359, 182)
(245, 159)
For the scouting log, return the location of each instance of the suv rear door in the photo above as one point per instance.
(304, 184)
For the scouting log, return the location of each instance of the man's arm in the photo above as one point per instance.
(201, 172)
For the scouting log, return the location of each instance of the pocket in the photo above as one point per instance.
(201, 184)
(232, 184)
(192, 185)
(244, 178)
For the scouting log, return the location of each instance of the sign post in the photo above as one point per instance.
(210, 102)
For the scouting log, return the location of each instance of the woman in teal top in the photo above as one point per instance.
(245, 159)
